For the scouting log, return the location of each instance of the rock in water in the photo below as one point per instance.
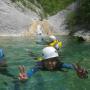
(80, 39)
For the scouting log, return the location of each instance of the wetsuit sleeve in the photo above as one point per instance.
(32, 71)
(37, 67)
(68, 66)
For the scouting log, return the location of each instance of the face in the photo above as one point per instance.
(50, 65)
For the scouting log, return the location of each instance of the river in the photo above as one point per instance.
(17, 52)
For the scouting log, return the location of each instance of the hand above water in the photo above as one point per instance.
(22, 75)
(81, 72)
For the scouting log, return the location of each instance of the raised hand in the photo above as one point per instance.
(81, 72)
(22, 74)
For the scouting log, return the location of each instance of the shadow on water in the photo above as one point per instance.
(25, 85)
(18, 85)
(5, 72)
(39, 83)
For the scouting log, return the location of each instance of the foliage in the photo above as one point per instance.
(83, 13)
(53, 6)
(71, 21)
(50, 7)
(80, 18)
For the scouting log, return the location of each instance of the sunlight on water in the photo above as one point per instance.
(17, 53)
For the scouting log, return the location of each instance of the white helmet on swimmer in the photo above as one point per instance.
(49, 52)
(52, 37)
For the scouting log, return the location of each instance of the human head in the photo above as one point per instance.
(52, 38)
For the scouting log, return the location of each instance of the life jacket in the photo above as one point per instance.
(56, 44)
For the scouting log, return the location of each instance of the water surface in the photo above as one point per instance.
(17, 53)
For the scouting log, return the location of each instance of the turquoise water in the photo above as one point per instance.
(17, 53)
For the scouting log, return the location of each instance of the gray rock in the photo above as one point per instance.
(85, 35)
(58, 21)
(12, 20)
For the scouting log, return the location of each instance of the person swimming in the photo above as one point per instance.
(54, 42)
(51, 62)
(3, 64)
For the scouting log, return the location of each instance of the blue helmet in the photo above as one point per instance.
(1, 54)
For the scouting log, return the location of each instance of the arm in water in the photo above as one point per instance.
(67, 66)
(32, 71)
(25, 75)
(37, 67)
(81, 72)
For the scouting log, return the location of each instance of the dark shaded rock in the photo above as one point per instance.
(79, 39)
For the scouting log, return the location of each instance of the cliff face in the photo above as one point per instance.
(59, 22)
(13, 20)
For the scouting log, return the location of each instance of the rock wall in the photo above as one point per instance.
(13, 21)
(58, 21)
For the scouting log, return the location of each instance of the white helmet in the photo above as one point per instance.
(49, 52)
(52, 37)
